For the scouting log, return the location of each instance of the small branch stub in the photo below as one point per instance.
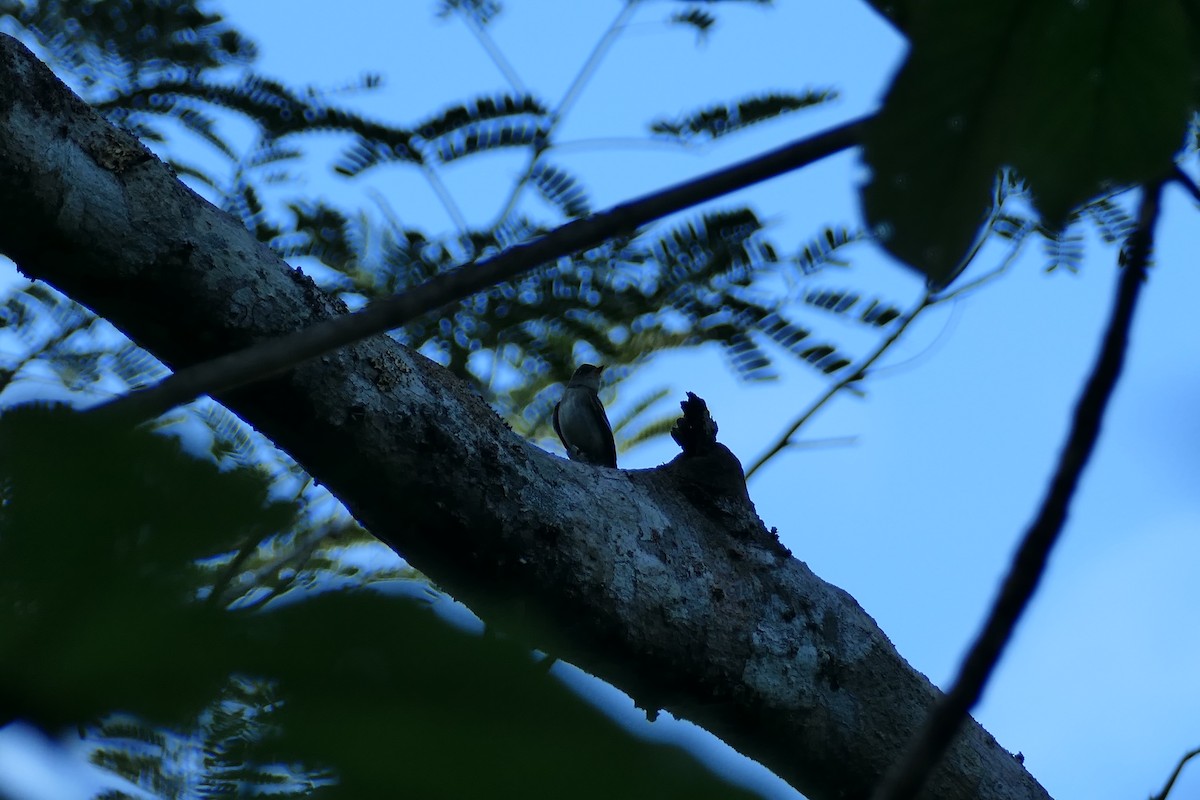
(705, 462)
(696, 431)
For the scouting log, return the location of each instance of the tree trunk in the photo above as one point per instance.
(663, 582)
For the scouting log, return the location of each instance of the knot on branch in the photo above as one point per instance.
(710, 476)
(696, 431)
(705, 463)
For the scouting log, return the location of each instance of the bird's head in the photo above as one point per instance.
(588, 376)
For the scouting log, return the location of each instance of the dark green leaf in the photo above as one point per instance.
(1078, 97)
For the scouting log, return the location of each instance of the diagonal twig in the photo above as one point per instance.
(857, 372)
(1175, 775)
(925, 750)
(494, 52)
(607, 39)
(1183, 179)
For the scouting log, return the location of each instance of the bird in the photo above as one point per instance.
(580, 421)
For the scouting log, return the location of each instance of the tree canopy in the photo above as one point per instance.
(209, 623)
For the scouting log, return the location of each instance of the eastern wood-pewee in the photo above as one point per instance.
(580, 421)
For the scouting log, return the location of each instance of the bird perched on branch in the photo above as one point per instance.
(580, 421)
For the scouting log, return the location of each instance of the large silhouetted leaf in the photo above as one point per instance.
(100, 532)
(1076, 96)
(103, 578)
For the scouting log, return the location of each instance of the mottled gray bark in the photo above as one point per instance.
(663, 581)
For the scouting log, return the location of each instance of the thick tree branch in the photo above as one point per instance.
(663, 582)
(905, 779)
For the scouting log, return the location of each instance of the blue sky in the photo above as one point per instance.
(961, 425)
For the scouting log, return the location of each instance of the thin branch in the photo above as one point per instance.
(593, 60)
(857, 372)
(443, 193)
(986, 277)
(526, 174)
(1185, 180)
(1175, 775)
(624, 143)
(925, 750)
(514, 79)
(231, 570)
(860, 370)
(926, 352)
(829, 441)
(589, 66)
(277, 355)
(496, 54)
(953, 297)
(296, 559)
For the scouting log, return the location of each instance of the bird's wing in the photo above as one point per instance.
(610, 446)
(557, 429)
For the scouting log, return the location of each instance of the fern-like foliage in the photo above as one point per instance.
(874, 312)
(826, 249)
(687, 285)
(620, 302)
(1113, 223)
(276, 109)
(486, 124)
(1064, 246)
(92, 40)
(64, 349)
(633, 416)
(700, 18)
(152, 66)
(212, 760)
(723, 119)
(324, 233)
(481, 12)
(1064, 249)
(562, 190)
(482, 110)
(696, 18)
